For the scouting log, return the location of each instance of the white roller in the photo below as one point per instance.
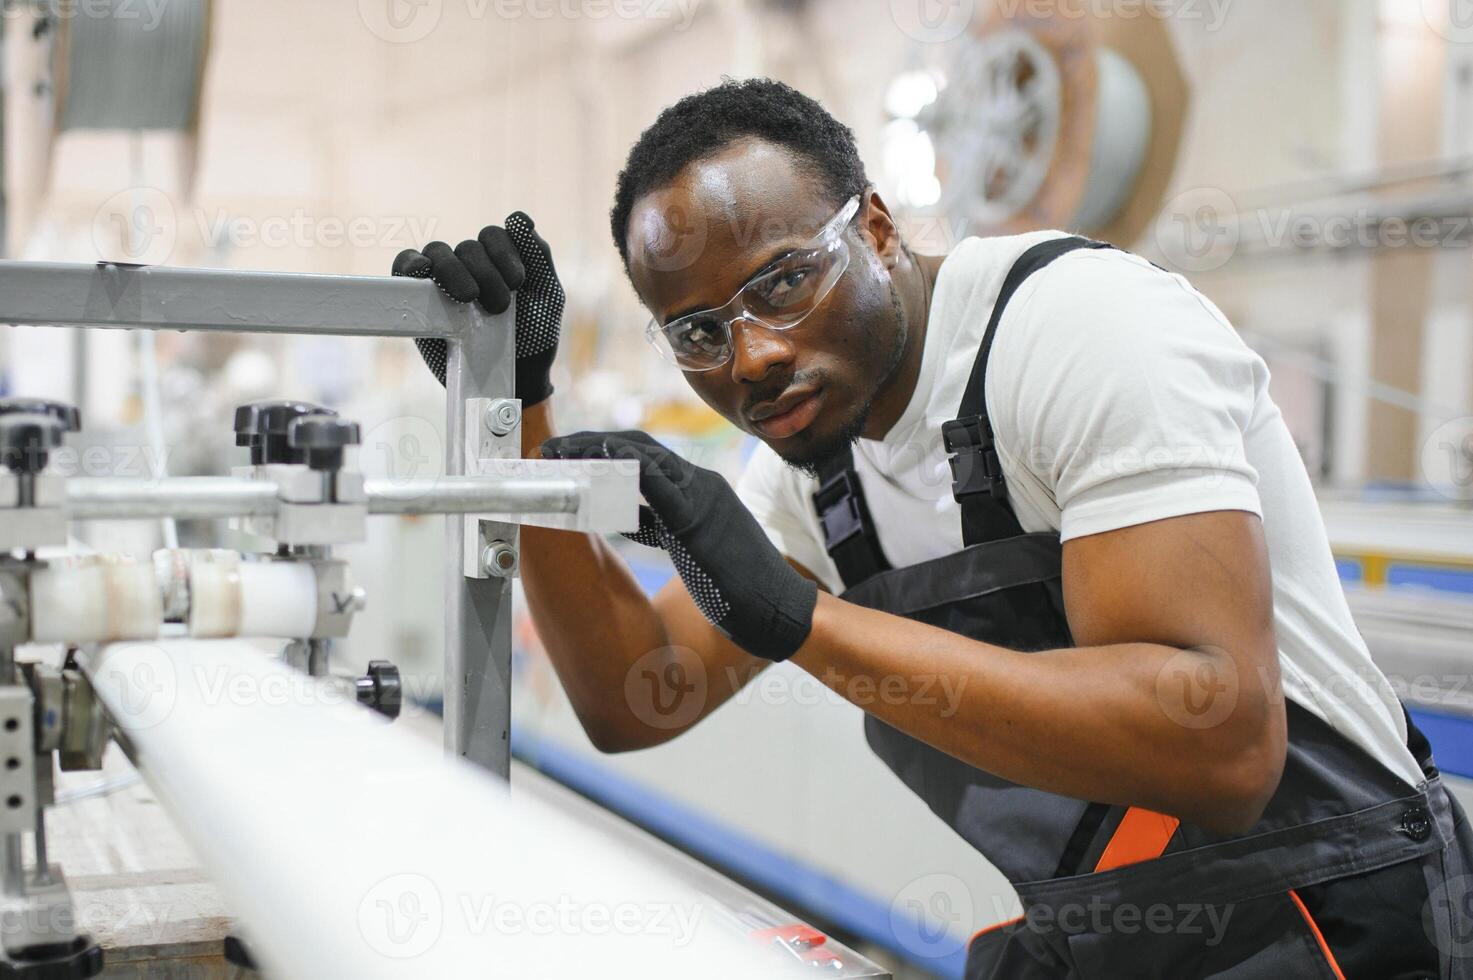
(351, 849)
(229, 597)
(94, 598)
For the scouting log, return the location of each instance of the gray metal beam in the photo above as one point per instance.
(478, 611)
(130, 296)
(197, 497)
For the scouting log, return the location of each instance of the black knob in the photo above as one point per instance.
(322, 438)
(236, 952)
(381, 689)
(263, 427)
(73, 960)
(67, 415)
(248, 427)
(26, 441)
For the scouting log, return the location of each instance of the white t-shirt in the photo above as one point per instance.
(1119, 395)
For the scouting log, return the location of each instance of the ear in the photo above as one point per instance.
(880, 230)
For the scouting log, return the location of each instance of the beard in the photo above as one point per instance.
(819, 456)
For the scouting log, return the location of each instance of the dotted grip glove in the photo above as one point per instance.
(737, 578)
(499, 262)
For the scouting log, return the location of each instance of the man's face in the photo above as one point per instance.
(805, 391)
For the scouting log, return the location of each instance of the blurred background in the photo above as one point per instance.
(1309, 165)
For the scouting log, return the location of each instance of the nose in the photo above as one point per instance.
(757, 350)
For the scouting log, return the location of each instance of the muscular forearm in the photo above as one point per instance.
(1109, 723)
(627, 663)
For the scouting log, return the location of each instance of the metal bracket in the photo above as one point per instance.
(17, 761)
(85, 725)
(36, 526)
(15, 605)
(493, 431)
(302, 516)
(46, 686)
(607, 491)
(337, 598)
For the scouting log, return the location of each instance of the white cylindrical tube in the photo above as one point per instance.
(353, 848)
(99, 598)
(277, 598)
(214, 594)
(94, 598)
(230, 597)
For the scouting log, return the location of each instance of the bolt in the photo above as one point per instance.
(503, 415)
(499, 559)
(358, 599)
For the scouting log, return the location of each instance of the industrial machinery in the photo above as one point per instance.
(1049, 116)
(156, 658)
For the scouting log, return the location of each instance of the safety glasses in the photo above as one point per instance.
(779, 297)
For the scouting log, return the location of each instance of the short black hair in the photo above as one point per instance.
(707, 122)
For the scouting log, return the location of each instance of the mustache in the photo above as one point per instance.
(774, 390)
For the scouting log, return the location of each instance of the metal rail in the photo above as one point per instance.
(161, 298)
(188, 497)
(474, 495)
(221, 497)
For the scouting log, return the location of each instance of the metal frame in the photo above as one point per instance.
(480, 365)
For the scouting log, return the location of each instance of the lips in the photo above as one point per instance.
(787, 416)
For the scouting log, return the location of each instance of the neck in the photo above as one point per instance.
(915, 281)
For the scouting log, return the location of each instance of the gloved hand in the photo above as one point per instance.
(500, 261)
(737, 578)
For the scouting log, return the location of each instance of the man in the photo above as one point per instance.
(1164, 708)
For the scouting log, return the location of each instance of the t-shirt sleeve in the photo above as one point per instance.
(781, 500)
(1124, 393)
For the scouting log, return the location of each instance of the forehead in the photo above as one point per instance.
(694, 241)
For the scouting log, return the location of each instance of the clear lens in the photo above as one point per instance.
(792, 289)
(779, 297)
(699, 340)
(694, 343)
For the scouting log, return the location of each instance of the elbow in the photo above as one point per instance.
(607, 741)
(611, 739)
(1246, 783)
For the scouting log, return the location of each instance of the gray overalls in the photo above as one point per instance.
(1351, 873)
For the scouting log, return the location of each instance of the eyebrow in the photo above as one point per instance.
(771, 261)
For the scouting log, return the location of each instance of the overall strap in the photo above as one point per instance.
(848, 531)
(977, 477)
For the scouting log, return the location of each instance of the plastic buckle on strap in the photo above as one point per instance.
(838, 510)
(975, 465)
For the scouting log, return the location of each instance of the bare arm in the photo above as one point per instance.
(1171, 701)
(639, 671)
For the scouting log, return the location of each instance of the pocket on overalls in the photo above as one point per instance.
(1267, 938)
(1009, 952)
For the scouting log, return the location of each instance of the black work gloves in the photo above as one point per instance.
(737, 578)
(501, 261)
